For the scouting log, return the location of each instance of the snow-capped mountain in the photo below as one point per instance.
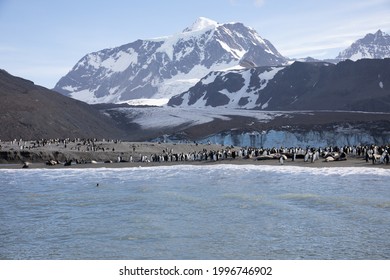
(359, 86)
(163, 67)
(371, 46)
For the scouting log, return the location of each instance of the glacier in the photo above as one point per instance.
(254, 129)
(283, 138)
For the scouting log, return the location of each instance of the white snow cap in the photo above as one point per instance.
(200, 24)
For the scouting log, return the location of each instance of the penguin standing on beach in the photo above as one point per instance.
(306, 159)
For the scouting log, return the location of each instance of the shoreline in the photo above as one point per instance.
(351, 162)
(91, 153)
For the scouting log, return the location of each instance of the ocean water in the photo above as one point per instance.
(195, 212)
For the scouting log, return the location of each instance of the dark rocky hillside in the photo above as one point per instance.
(363, 85)
(29, 111)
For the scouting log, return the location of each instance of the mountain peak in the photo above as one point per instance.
(374, 37)
(375, 45)
(201, 23)
(161, 68)
(380, 33)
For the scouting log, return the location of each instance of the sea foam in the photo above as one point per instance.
(103, 171)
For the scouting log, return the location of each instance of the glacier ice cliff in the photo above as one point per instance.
(278, 138)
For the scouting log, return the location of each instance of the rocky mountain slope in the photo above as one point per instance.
(371, 46)
(351, 86)
(29, 111)
(162, 67)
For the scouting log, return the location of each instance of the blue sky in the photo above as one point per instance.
(41, 40)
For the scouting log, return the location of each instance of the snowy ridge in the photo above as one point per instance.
(371, 46)
(200, 24)
(233, 89)
(163, 67)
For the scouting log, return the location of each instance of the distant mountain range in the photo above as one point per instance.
(153, 71)
(163, 67)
